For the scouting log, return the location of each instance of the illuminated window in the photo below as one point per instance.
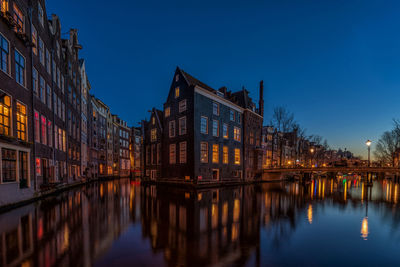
(225, 131)
(182, 126)
(182, 105)
(176, 92)
(18, 19)
(172, 154)
(21, 121)
(215, 129)
(4, 54)
(9, 165)
(237, 156)
(19, 68)
(34, 40)
(225, 155)
(37, 127)
(44, 130)
(40, 14)
(182, 152)
(153, 135)
(236, 134)
(153, 120)
(204, 125)
(215, 108)
(4, 6)
(5, 114)
(167, 112)
(215, 153)
(172, 129)
(64, 141)
(204, 152)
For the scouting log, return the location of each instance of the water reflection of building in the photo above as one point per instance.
(72, 229)
(202, 226)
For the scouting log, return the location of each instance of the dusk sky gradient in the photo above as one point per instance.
(334, 64)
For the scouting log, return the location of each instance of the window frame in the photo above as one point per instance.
(206, 159)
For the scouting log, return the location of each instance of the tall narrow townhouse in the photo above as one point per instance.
(70, 48)
(153, 136)
(16, 133)
(85, 90)
(110, 143)
(121, 140)
(103, 110)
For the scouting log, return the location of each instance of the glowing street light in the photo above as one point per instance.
(368, 143)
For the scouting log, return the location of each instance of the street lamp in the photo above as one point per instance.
(368, 143)
(312, 156)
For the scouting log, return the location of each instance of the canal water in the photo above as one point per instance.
(339, 221)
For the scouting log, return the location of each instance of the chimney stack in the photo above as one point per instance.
(261, 103)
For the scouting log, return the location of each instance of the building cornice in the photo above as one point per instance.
(216, 98)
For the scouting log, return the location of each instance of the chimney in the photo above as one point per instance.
(223, 90)
(261, 103)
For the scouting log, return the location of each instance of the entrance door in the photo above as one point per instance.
(215, 174)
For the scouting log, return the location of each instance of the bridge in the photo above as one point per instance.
(334, 169)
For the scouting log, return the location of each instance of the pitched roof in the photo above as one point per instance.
(193, 81)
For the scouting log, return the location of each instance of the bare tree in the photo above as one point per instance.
(283, 120)
(386, 146)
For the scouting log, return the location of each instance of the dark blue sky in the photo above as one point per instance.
(335, 64)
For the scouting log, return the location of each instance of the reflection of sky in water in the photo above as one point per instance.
(121, 223)
(338, 228)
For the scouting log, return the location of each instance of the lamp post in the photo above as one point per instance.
(312, 156)
(368, 143)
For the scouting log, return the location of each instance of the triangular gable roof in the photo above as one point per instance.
(193, 81)
(159, 115)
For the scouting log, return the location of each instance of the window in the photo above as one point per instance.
(44, 130)
(215, 153)
(21, 121)
(4, 53)
(48, 96)
(37, 127)
(5, 115)
(167, 112)
(225, 131)
(48, 61)
(225, 155)
(176, 92)
(9, 165)
(236, 134)
(215, 108)
(4, 6)
(153, 120)
(204, 125)
(177, 78)
(172, 129)
(41, 51)
(35, 82)
(237, 156)
(251, 138)
(23, 169)
(204, 152)
(40, 14)
(49, 133)
(232, 115)
(182, 126)
(172, 154)
(64, 141)
(18, 19)
(60, 139)
(215, 130)
(182, 105)
(54, 72)
(153, 135)
(19, 68)
(42, 90)
(34, 40)
(182, 152)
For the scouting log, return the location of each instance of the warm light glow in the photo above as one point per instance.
(364, 228)
(309, 214)
(368, 143)
(312, 150)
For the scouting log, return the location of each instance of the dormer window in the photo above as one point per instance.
(176, 92)
(177, 78)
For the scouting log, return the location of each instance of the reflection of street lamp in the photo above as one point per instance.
(364, 228)
(368, 143)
